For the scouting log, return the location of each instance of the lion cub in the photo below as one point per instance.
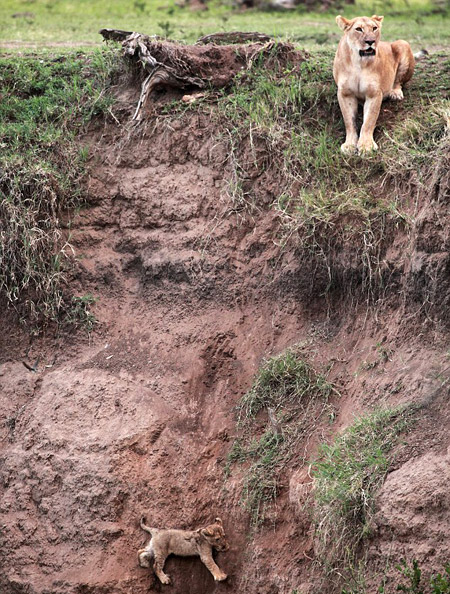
(185, 543)
(369, 70)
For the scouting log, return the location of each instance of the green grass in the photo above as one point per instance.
(347, 476)
(416, 584)
(294, 396)
(78, 21)
(46, 102)
(282, 380)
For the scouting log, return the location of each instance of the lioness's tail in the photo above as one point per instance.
(144, 526)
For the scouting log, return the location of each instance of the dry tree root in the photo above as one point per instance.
(168, 64)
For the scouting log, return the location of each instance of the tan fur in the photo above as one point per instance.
(368, 78)
(185, 543)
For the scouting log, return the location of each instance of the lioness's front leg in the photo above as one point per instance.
(372, 107)
(349, 108)
(217, 573)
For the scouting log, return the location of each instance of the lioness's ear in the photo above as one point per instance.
(218, 521)
(342, 23)
(206, 532)
(379, 19)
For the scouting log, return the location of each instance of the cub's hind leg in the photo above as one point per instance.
(158, 568)
(144, 557)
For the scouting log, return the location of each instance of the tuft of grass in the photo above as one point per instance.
(79, 313)
(348, 474)
(282, 380)
(46, 101)
(293, 396)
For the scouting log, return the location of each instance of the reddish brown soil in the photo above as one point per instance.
(138, 417)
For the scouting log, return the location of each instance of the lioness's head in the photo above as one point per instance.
(363, 34)
(215, 535)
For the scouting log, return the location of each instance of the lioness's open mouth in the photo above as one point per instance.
(368, 52)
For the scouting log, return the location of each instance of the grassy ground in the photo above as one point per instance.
(41, 23)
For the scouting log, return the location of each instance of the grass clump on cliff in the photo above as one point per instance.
(46, 101)
(347, 476)
(290, 395)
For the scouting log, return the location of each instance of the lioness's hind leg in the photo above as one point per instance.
(405, 69)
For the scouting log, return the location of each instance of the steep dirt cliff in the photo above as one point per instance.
(138, 417)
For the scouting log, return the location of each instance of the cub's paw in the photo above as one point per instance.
(348, 148)
(220, 577)
(142, 558)
(367, 146)
(165, 579)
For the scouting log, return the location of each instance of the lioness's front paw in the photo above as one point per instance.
(220, 577)
(367, 146)
(348, 148)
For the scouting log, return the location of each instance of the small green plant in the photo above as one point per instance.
(80, 314)
(139, 6)
(348, 473)
(440, 583)
(414, 582)
(413, 575)
(166, 28)
(293, 396)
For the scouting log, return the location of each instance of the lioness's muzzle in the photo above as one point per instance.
(370, 51)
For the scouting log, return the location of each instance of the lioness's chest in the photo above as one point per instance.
(362, 84)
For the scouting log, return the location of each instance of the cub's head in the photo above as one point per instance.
(214, 534)
(362, 33)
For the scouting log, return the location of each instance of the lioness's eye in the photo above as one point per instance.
(359, 29)
(375, 28)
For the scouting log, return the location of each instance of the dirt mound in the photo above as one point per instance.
(139, 417)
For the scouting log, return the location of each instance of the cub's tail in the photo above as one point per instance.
(144, 525)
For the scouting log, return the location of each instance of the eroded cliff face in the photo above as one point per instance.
(139, 416)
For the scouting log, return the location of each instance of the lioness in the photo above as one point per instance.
(185, 543)
(367, 69)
